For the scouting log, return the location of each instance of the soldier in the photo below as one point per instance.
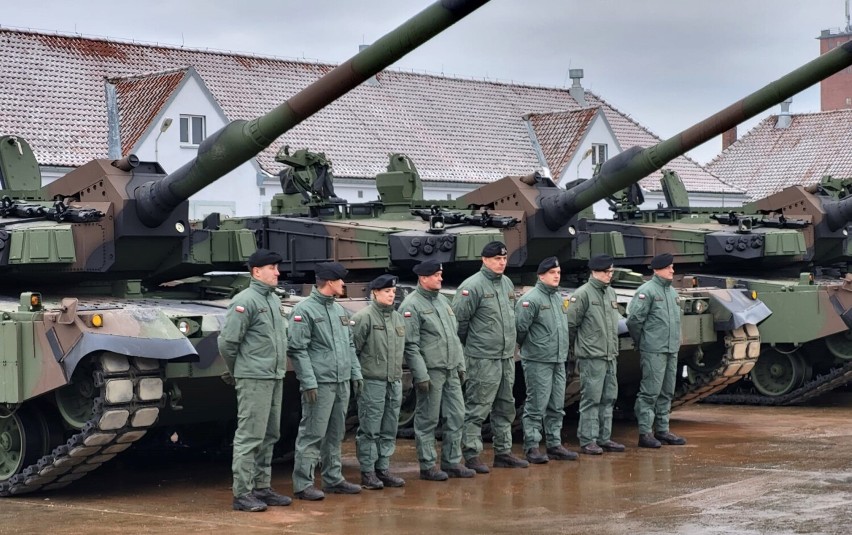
(253, 343)
(593, 313)
(653, 319)
(435, 357)
(323, 354)
(485, 308)
(379, 343)
(542, 327)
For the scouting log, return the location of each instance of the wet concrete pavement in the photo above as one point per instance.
(745, 470)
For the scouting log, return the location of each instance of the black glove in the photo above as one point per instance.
(357, 386)
(228, 379)
(462, 376)
(424, 386)
(311, 395)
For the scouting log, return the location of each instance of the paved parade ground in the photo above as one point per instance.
(745, 470)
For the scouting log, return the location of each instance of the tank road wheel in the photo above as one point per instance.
(75, 400)
(777, 373)
(840, 345)
(23, 436)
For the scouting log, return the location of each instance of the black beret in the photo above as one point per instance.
(264, 257)
(600, 262)
(495, 248)
(383, 281)
(662, 260)
(428, 267)
(330, 271)
(547, 264)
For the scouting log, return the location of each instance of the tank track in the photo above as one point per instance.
(128, 403)
(815, 387)
(742, 348)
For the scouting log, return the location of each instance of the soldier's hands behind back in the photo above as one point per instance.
(228, 379)
(424, 386)
(357, 386)
(462, 376)
(311, 395)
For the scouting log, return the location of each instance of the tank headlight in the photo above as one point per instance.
(97, 320)
(701, 306)
(180, 227)
(845, 232)
(572, 231)
(753, 294)
(183, 326)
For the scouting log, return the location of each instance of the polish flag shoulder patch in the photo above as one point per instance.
(407, 314)
(240, 309)
(525, 304)
(641, 296)
(297, 319)
(465, 293)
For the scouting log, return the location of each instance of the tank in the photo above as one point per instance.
(96, 351)
(536, 219)
(791, 248)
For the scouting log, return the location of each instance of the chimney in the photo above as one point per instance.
(784, 118)
(729, 137)
(372, 80)
(576, 90)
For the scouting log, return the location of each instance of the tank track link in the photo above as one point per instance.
(821, 384)
(742, 348)
(127, 404)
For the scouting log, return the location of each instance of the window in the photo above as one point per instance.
(193, 129)
(599, 153)
(449, 196)
(360, 194)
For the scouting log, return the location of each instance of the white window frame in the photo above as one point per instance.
(600, 153)
(191, 139)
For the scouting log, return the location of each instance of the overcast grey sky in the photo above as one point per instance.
(667, 63)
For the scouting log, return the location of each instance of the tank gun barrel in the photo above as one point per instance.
(241, 140)
(837, 213)
(636, 163)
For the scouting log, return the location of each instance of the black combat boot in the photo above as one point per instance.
(476, 464)
(535, 456)
(270, 497)
(561, 453)
(370, 481)
(611, 445)
(389, 479)
(458, 470)
(344, 487)
(591, 449)
(667, 437)
(507, 460)
(647, 440)
(311, 494)
(249, 503)
(433, 474)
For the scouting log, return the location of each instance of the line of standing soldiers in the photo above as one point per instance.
(469, 343)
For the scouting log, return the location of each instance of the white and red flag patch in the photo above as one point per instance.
(407, 314)
(525, 304)
(297, 319)
(465, 293)
(240, 309)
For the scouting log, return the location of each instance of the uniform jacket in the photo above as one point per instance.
(321, 345)
(379, 341)
(253, 340)
(431, 339)
(654, 316)
(593, 312)
(542, 324)
(485, 309)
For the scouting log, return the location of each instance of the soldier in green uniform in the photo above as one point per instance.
(653, 319)
(484, 305)
(435, 357)
(379, 343)
(322, 351)
(542, 326)
(593, 313)
(253, 343)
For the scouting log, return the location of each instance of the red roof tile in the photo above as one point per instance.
(52, 93)
(140, 99)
